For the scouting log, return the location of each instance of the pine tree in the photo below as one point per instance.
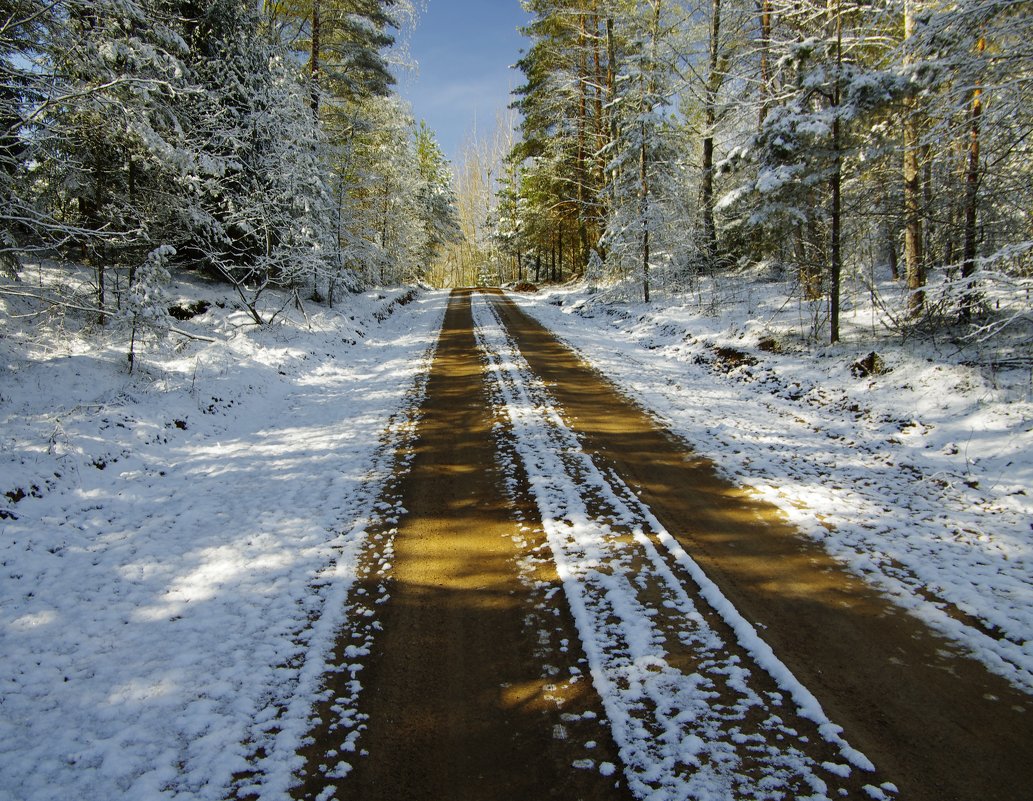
(344, 42)
(972, 66)
(146, 310)
(435, 198)
(642, 190)
(23, 35)
(257, 209)
(95, 114)
(564, 124)
(828, 84)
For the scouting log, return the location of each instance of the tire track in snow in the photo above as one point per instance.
(691, 719)
(958, 563)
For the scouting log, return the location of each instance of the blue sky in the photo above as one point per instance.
(464, 49)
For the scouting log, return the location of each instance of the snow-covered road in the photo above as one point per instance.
(918, 479)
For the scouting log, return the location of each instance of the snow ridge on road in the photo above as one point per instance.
(689, 717)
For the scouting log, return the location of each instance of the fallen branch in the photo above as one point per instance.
(188, 335)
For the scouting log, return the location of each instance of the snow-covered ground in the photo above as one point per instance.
(167, 538)
(919, 478)
(176, 545)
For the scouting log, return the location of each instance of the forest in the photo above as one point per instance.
(649, 143)
(259, 144)
(672, 440)
(663, 141)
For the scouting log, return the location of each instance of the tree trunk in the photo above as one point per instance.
(102, 315)
(810, 258)
(914, 257)
(709, 232)
(968, 264)
(836, 266)
(928, 215)
(611, 91)
(131, 172)
(891, 252)
(314, 57)
(582, 171)
(644, 211)
(559, 251)
(836, 181)
(765, 65)
(599, 168)
(91, 210)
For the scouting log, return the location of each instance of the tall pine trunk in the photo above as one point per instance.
(599, 167)
(968, 263)
(611, 93)
(644, 211)
(914, 256)
(709, 232)
(314, 66)
(836, 185)
(764, 9)
(581, 171)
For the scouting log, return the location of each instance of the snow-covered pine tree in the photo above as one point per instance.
(565, 126)
(398, 204)
(642, 162)
(507, 221)
(435, 198)
(345, 45)
(719, 104)
(146, 308)
(969, 67)
(258, 211)
(23, 37)
(826, 67)
(95, 116)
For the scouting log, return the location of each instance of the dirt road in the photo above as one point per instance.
(573, 606)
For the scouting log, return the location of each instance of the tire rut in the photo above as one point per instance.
(691, 713)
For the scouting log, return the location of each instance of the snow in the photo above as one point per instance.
(176, 545)
(919, 479)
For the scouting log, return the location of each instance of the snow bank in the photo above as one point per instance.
(175, 545)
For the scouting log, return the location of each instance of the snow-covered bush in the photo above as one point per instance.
(146, 308)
